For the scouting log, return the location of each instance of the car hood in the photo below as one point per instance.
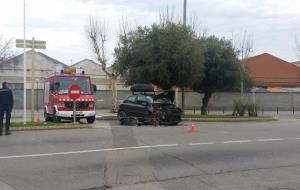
(167, 94)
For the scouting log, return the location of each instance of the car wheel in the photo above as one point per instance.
(90, 119)
(154, 119)
(121, 116)
(55, 118)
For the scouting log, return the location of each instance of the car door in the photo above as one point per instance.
(129, 105)
(142, 106)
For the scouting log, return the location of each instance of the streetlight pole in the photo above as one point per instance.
(184, 12)
(182, 89)
(24, 62)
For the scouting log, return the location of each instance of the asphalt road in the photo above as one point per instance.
(231, 156)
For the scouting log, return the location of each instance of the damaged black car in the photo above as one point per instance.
(145, 107)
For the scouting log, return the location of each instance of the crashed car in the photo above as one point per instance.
(145, 107)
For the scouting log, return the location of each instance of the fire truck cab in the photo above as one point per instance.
(57, 103)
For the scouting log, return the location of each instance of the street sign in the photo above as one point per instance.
(21, 41)
(33, 44)
(74, 92)
(37, 44)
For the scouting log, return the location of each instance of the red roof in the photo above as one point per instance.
(268, 70)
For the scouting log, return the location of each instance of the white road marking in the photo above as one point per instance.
(240, 141)
(137, 147)
(87, 151)
(202, 143)
(267, 140)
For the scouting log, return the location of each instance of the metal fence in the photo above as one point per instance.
(221, 102)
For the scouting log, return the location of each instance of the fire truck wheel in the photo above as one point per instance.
(55, 118)
(90, 119)
(46, 116)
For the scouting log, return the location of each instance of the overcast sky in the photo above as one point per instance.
(273, 24)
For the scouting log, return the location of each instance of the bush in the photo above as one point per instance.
(252, 109)
(239, 108)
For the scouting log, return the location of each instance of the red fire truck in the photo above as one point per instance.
(57, 103)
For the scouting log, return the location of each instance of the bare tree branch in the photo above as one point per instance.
(167, 15)
(96, 33)
(243, 44)
(195, 26)
(6, 51)
(244, 47)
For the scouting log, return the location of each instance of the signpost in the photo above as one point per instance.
(33, 44)
(74, 93)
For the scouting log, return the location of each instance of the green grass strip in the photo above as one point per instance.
(33, 124)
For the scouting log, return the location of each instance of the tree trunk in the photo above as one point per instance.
(176, 97)
(114, 106)
(182, 100)
(205, 101)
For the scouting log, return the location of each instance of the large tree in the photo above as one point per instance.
(167, 55)
(221, 69)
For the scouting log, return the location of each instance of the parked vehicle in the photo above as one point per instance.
(57, 103)
(146, 107)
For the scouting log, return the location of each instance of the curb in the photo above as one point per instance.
(262, 119)
(37, 128)
(112, 117)
(231, 119)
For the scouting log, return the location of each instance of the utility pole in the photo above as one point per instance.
(32, 79)
(33, 44)
(182, 89)
(24, 68)
(184, 12)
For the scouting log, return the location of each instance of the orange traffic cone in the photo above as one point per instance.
(193, 128)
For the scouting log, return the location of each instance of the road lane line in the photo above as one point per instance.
(202, 143)
(240, 141)
(87, 151)
(267, 140)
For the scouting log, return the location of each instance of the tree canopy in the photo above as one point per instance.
(170, 54)
(166, 55)
(222, 70)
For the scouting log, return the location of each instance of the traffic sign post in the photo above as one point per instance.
(74, 93)
(33, 44)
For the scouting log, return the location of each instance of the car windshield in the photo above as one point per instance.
(65, 82)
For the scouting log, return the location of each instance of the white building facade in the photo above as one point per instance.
(12, 70)
(98, 76)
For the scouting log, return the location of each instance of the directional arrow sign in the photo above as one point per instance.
(38, 44)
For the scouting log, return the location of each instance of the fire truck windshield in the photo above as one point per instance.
(64, 83)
